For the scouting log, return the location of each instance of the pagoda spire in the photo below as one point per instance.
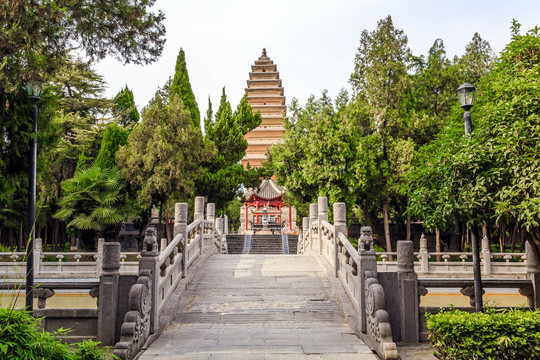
(265, 94)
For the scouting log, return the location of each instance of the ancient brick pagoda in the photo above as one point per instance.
(265, 94)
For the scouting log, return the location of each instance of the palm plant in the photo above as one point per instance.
(96, 199)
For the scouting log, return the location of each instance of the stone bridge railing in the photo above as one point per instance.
(357, 271)
(386, 294)
(130, 305)
(70, 264)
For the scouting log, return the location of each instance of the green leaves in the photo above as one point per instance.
(512, 334)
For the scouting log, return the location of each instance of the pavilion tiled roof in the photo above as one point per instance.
(267, 190)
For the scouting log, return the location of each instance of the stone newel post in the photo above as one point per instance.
(37, 256)
(340, 224)
(180, 225)
(99, 255)
(322, 204)
(367, 264)
(486, 256)
(148, 266)
(305, 232)
(199, 208)
(533, 272)
(312, 220)
(424, 256)
(407, 292)
(108, 293)
(210, 211)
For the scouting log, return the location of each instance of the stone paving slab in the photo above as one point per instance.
(259, 307)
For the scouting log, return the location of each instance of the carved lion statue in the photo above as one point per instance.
(365, 243)
(150, 242)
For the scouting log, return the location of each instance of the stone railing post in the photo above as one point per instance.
(148, 266)
(305, 232)
(312, 220)
(37, 256)
(108, 293)
(180, 225)
(220, 221)
(99, 256)
(199, 208)
(407, 292)
(424, 255)
(486, 256)
(163, 244)
(533, 272)
(211, 216)
(322, 204)
(225, 224)
(367, 264)
(340, 224)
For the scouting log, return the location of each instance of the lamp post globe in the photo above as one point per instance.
(466, 99)
(33, 91)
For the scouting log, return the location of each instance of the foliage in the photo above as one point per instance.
(491, 175)
(224, 174)
(21, 337)
(114, 137)
(163, 155)
(94, 199)
(36, 36)
(181, 87)
(512, 334)
(124, 109)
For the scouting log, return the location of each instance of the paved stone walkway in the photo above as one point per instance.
(259, 307)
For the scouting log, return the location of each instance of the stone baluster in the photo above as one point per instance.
(367, 264)
(148, 266)
(305, 232)
(322, 204)
(486, 256)
(424, 255)
(340, 224)
(211, 216)
(407, 292)
(199, 208)
(533, 272)
(180, 225)
(312, 220)
(99, 257)
(37, 256)
(108, 293)
(199, 215)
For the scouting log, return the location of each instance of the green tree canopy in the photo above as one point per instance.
(124, 109)
(181, 87)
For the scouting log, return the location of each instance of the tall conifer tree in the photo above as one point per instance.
(181, 86)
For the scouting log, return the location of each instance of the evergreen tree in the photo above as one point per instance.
(124, 109)
(181, 87)
(163, 155)
(114, 137)
(224, 174)
(209, 118)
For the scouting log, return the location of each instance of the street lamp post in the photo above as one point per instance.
(33, 91)
(466, 98)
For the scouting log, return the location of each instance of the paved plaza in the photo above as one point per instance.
(259, 307)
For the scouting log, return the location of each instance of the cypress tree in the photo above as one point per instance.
(114, 137)
(181, 86)
(124, 108)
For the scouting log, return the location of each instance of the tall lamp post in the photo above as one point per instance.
(466, 98)
(33, 91)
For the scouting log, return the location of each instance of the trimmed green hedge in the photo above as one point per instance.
(506, 334)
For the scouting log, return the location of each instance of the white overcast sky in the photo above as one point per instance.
(313, 42)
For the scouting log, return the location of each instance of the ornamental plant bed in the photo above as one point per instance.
(504, 334)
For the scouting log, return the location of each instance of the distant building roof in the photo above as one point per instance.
(267, 190)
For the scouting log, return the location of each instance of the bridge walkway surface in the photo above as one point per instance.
(259, 307)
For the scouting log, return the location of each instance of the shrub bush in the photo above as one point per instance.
(22, 338)
(506, 334)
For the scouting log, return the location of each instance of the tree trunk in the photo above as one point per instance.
(45, 238)
(55, 233)
(408, 227)
(438, 243)
(168, 231)
(21, 235)
(387, 228)
(367, 220)
(501, 237)
(10, 237)
(514, 235)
